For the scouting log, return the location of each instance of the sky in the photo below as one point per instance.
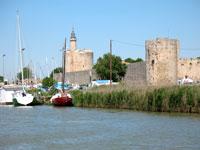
(45, 24)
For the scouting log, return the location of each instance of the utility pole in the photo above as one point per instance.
(110, 63)
(3, 66)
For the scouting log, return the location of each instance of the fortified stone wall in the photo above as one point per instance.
(189, 67)
(136, 74)
(79, 77)
(162, 61)
(162, 67)
(78, 60)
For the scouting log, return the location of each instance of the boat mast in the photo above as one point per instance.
(20, 47)
(63, 74)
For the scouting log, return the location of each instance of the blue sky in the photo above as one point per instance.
(45, 24)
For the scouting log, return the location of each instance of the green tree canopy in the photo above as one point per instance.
(130, 60)
(102, 67)
(56, 70)
(27, 73)
(1, 78)
(48, 82)
(139, 60)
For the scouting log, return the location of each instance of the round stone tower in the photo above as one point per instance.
(162, 61)
(78, 59)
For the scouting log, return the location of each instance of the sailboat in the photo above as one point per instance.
(21, 97)
(62, 98)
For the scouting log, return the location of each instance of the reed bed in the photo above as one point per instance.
(160, 99)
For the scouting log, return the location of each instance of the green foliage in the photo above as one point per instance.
(52, 91)
(27, 73)
(1, 78)
(175, 98)
(165, 99)
(56, 70)
(130, 60)
(156, 98)
(138, 60)
(102, 67)
(47, 82)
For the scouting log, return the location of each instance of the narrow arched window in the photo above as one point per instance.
(152, 62)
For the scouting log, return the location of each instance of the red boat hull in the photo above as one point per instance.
(62, 101)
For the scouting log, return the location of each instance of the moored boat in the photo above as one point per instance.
(21, 97)
(62, 98)
(6, 97)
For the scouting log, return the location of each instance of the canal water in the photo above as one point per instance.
(47, 127)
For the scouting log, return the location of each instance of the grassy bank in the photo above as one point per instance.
(164, 99)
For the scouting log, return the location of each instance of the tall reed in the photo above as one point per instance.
(163, 99)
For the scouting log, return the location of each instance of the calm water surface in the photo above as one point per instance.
(46, 127)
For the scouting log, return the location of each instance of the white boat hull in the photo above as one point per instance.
(23, 99)
(6, 97)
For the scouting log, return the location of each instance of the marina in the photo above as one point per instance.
(99, 75)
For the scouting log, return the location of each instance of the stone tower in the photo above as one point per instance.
(162, 61)
(73, 40)
(77, 59)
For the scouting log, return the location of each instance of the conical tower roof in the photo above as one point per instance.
(73, 36)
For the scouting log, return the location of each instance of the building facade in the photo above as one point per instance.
(77, 59)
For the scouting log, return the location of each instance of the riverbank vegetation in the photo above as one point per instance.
(163, 99)
(42, 96)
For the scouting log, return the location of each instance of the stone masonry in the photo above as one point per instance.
(136, 74)
(78, 59)
(78, 77)
(162, 61)
(162, 66)
(189, 67)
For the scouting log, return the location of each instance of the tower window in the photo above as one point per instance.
(152, 62)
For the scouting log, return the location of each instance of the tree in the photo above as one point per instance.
(48, 82)
(56, 70)
(130, 60)
(1, 78)
(102, 67)
(139, 60)
(27, 73)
